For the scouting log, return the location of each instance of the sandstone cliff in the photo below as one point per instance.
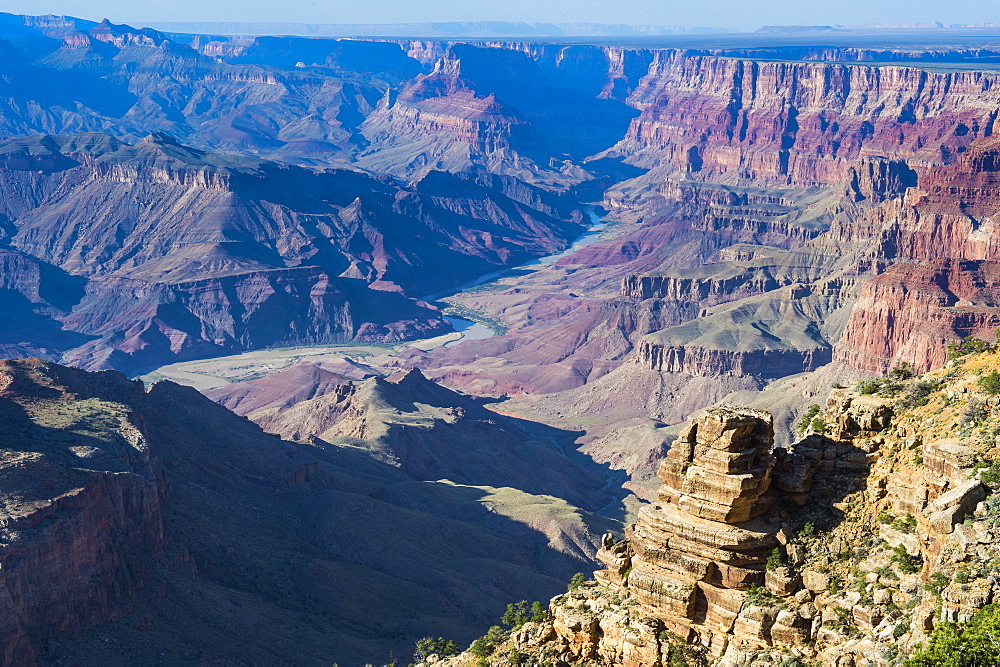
(911, 312)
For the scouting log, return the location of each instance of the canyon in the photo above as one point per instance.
(776, 221)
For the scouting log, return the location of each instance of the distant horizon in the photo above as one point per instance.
(731, 15)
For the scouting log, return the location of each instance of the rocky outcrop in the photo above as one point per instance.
(884, 528)
(81, 517)
(700, 545)
(707, 290)
(911, 312)
(798, 122)
(711, 569)
(702, 362)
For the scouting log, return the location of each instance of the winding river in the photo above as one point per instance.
(217, 371)
(472, 330)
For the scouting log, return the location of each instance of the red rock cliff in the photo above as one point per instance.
(912, 311)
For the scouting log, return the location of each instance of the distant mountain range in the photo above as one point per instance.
(447, 29)
(871, 27)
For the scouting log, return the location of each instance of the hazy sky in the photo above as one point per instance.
(739, 14)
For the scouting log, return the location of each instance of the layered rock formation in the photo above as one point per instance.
(698, 542)
(911, 312)
(883, 529)
(493, 108)
(799, 123)
(82, 503)
(771, 335)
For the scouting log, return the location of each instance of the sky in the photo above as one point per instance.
(732, 14)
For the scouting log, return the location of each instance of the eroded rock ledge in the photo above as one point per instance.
(847, 548)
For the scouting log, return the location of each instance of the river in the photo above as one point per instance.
(472, 330)
(218, 371)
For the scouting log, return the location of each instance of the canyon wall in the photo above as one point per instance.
(77, 510)
(144, 525)
(911, 312)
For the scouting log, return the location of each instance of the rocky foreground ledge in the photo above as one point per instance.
(849, 547)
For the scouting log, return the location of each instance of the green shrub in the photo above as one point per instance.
(809, 418)
(904, 524)
(485, 645)
(760, 596)
(971, 644)
(917, 394)
(990, 383)
(906, 563)
(868, 386)
(966, 346)
(991, 475)
(902, 372)
(516, 614)
(774, 561)
(678, 652)
(808, 530)
(538, 612)
(578, 579)
(974, 412)
(428, 646)
(938, 582)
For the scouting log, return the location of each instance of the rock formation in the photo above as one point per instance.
(882, 529)
(911, 312)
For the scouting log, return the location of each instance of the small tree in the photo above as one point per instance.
(868, 386)
(774, 561)
(516, 614)
(485, 645)
(975, 642)
(906, 563)
(810, 419)
(428, 646)
(902, 372)
(990, 383)
(966, 346)
(578, 580)
(538, 612)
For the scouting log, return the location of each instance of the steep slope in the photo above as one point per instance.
(144, 526)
